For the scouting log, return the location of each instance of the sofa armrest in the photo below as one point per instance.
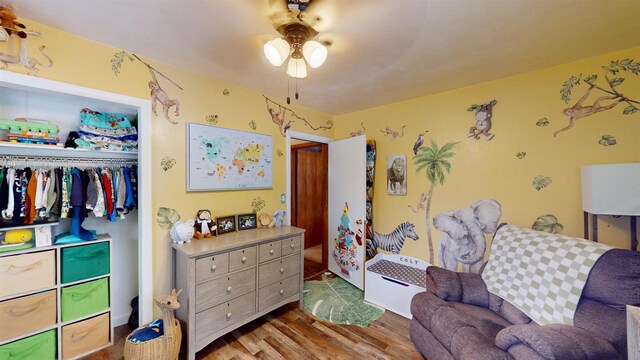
(556, 342)
(462, 287)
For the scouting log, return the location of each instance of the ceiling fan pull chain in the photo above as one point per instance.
(288, 98)
(296, 88)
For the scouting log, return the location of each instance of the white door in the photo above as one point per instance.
(347, 208)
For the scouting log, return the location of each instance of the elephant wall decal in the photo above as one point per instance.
(463, 240)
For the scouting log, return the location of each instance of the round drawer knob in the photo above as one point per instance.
(214, 267)
(281, 270)
(271, 251)
(244, 259)
(292, 246)
(281, 291)
(229, 289)
(228, 315)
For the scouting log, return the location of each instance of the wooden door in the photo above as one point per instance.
(347, 209)
(309, 192)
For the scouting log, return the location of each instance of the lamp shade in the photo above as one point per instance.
(612, 189)
(297, 68)
(315, 53)
(276, 51)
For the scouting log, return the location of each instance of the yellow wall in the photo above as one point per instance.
(87, 63)
(481, 169)
(490, 169)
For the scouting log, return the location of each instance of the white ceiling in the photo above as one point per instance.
(383, 50)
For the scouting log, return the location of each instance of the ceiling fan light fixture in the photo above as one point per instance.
(297, 68)
(315, 53)
(276, 51)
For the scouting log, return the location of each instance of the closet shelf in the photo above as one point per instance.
(18, 227)
(7, 148)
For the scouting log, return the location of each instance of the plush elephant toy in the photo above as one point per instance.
(463, 240)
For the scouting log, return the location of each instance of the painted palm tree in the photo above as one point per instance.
(435, 162)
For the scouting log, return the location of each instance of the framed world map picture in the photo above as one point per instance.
(227, 159)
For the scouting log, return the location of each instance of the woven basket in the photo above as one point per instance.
(157, 349)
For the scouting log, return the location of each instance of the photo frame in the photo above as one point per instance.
(397, 175)
(227, 159)
(247, 221)
(225, 224)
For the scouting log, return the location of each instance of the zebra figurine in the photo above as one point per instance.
(392, 242)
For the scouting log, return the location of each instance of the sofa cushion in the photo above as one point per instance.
(470, 344)
(603, 320)
(614, 279)
(428, 346)
(423, 305)
(485, 320)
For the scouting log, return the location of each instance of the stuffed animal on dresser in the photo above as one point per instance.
(204, 226)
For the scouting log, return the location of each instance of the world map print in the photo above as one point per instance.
(226, 159)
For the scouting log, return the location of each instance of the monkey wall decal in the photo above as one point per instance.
(359, 131)
(578, 111)
(421, 204)
(393, 133)
(278, 117)
(158, 95)
(484, 114)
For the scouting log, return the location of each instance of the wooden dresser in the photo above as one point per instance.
(235, 278)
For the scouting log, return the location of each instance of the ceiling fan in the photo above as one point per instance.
(298, 22)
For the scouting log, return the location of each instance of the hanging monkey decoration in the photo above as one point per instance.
(484, 113)
(577, 111)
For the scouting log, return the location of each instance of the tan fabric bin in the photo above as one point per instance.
(27, 272)
(27, 314)
(84, 336)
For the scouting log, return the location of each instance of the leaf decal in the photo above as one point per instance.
(540, 182)
(258, 204)
(617, 81)
(565, 92)
(212, 119)
(339, 302)
(279, 153)
(252, 124)
(226, 92)
(521, 155)
(629, 110)
(166, 217)
(167, 163)
(607, 140)
(117, 59)
(542, 122)
(547, 223)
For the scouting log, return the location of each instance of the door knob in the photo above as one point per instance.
(281, 270)
(244, 259)
(228, 315)
(214, 267)
(271, 251)
(229, 289)
(281, 291)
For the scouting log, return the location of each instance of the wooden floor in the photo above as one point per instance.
(291, 333)
(312, 268)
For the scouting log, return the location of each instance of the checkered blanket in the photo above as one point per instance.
(541, 274)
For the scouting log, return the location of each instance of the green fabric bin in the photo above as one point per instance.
(84, 299)
(84, 262)
(41, 347)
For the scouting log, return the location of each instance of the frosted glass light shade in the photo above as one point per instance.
(315, 53)
(276, 51)
(297, 68)
(612, 189)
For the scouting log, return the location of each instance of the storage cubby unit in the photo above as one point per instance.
(36, 98)
(42, 316)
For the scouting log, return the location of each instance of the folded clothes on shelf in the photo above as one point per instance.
(102, 131)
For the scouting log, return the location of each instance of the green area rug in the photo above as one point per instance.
(335, 300)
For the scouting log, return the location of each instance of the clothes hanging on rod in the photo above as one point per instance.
(45, 189)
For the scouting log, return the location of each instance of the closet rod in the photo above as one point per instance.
(61, 159)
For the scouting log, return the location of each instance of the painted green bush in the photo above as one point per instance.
(547, 223)
(607, 140)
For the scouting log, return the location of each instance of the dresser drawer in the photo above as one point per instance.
(84, 262)
(225, 314)
(243, 258)
(224, 288)
(291, 245)
(27, 272)
(41, 347)
(270, 251)
(278, 291)
(84, 336)
(212, 266)
(27, 314)
(84, 299)
(278, 270)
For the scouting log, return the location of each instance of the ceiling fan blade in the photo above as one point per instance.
(279, 14)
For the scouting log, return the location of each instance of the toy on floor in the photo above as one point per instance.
(160, 339)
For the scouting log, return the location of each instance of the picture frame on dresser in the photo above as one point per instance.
(225, 224)
(247, 221)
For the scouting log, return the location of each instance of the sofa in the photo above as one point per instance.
(457, 318)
